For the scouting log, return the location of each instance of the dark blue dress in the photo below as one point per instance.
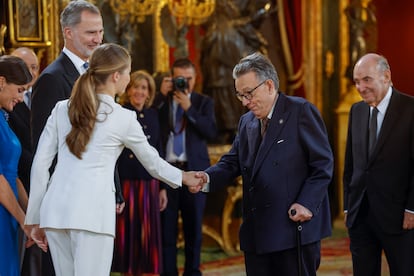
(10, 150)
(137, 248)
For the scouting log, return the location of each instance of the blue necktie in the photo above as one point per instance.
(178, 131)
(86, 65)
(28, 96)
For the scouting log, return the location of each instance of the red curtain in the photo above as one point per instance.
(292, 19)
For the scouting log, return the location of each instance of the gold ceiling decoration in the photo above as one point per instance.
(188, 12)
(135, 9)
(191, 12)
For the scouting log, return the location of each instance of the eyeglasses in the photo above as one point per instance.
(248, 95)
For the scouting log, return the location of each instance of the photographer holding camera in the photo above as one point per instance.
(187, 121)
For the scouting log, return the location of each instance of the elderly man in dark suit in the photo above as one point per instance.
(185, 144)
(379, 172)
(283, 154)
(82, 29)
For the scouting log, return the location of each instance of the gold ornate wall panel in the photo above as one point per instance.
(161, 52)
(312, 44)
(348, 96)
(28, 25)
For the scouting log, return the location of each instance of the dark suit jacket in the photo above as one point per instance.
(54, 84)
(128, 165)
(201, 126)
(387, 178)
(294, 163)
(19, 122)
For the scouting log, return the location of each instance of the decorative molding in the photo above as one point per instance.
(313, 56)
(28, 25)
(161, 50)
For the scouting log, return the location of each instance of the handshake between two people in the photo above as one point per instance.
(195, 181)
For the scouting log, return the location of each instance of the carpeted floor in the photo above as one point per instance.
(336, 259)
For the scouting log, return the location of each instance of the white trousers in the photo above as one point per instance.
(80, 253)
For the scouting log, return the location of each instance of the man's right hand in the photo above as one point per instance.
(194, 180)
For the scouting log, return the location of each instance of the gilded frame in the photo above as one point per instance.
(28, 23)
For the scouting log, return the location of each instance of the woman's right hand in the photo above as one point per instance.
(194, 180)
(38, 235)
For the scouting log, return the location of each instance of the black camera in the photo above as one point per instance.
(180, 84)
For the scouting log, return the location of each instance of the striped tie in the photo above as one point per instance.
(264, 124)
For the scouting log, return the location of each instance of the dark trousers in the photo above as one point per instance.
(368, 241)
(34, 262)
(284, 263)
(191, 206)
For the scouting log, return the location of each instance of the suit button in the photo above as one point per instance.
(253, 209)
(251, 189)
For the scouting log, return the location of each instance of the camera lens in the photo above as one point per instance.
(180, 84)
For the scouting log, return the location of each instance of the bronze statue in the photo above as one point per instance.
(362, 30)
(231, 33)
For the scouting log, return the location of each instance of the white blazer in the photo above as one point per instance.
(80, 194)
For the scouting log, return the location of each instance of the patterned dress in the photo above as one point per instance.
(10, 150)
(138, 229)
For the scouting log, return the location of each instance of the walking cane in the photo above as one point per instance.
(299, 242)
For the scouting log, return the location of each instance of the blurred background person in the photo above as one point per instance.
(14, 77)
(138, 247)
(19, 122)
(187, 121)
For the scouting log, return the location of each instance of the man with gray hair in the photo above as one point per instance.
(284, 157)
(379, 172)
(82, 29)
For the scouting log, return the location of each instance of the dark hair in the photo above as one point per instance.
(14, 70)
(182, 63)
(159, 77)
